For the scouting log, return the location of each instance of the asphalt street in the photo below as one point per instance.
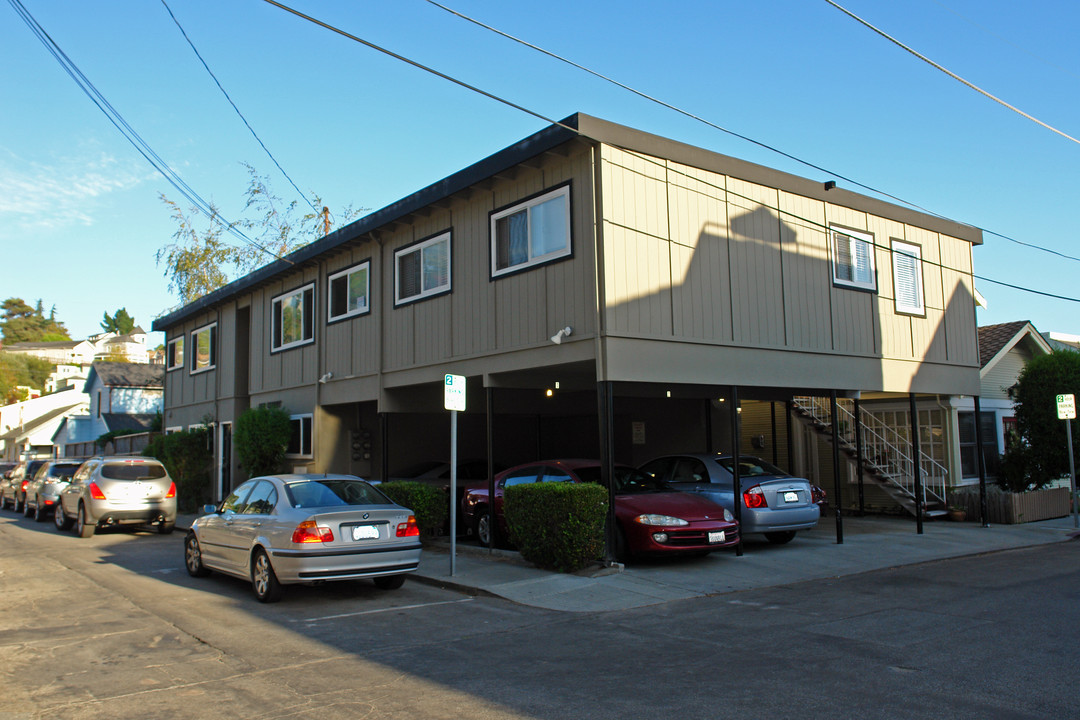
(113, 627)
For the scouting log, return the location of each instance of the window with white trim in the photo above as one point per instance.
(907, 278)
(853, 258)
(204, 348)
(422, 270)
(300, 437)
(293, 318)
(174, 354)
(531, 233)
(348, 292)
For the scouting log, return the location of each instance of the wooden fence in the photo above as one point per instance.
(1011, 508)
(120, 445)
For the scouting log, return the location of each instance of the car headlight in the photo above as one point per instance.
(650, 519)
(728, 515)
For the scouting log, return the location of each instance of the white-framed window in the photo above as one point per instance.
(532, 232)
(907, 278)
(174, 354)
(348, 292)
(203, 348)
(422, 270)
(853, 258)
(173, 429)
(300, 439)
(293, 318)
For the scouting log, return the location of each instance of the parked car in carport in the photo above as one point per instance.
(43, 492)
(773, 502)
(652, 517)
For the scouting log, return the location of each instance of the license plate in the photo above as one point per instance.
(364, 532)
(716, 537)
(790, 497)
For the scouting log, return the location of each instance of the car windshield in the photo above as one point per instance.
(329, 492)
(750, 466)
(132, 471)
(627, 480)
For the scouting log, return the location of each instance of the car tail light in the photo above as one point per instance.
(754, 497)
(24, 484)
(309, 531)
(817, 495)
(95, 492)
(408, 528)
(172, 491)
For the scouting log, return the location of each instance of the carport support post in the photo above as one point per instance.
(736, 480)
(384, 446)
(772, 414)
(981, 462)
(916, 464)
(859, 455)
(606, 412)
(790, 438)
(836, 465)
(490, 409)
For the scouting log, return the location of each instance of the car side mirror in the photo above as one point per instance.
(209, 509)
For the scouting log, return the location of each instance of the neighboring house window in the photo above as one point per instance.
(99, 403)
(907, 278)
(174, 354)
(300, 440)
(422, 270)
(204, 348)
(293, 318)
(969, 447)
(532, 232)
(348, 292)
(174, 429)
(853, 258)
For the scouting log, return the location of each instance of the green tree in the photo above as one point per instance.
(23, 323)
(18, 369)
(200, 259)
(261, 438)
(120, 322)
(1041, 455)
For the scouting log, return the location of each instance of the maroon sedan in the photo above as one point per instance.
(652, 518)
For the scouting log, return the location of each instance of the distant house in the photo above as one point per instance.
(61, 352)
(26, 428)
(115, 347)
(123, 396)
(1062, 341)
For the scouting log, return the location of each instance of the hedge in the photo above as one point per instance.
(558, 526)
(429, 504)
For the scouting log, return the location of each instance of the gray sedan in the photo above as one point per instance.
(774, 503)
(288, 529)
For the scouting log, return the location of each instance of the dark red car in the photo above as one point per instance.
(652, 517)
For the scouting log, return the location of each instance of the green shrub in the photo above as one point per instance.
(261, 438)
(559, 526)
(188, 458)
(430, 505)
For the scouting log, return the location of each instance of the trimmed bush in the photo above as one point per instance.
(559, 526)
(188, 458)
(430, 505)
(261, 438)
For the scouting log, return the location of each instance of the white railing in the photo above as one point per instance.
(883, 447)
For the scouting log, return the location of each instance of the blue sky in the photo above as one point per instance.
(80, 211)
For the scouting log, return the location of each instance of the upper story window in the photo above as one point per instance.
(293, 317)
(204, 348)
(532, 232)
(907, 278)
(422, 270)
(853, 258)
(348, 292)
(174, 354)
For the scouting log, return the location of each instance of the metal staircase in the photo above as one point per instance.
(887, 455)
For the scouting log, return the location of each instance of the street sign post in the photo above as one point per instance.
(1066, 410)
(454, 401)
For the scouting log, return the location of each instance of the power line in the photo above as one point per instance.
(234, 107)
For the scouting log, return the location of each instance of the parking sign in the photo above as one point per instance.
(1066, 407)
(454, 392)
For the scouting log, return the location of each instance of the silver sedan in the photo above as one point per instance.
(288, 529)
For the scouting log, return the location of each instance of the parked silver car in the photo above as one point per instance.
(43, 492)
(109, 491)
(773, 502)
(287, 529)
(13, 487)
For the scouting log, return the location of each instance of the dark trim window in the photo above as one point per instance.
(348, 292)
(300, 439)
(293, 319)
(907, 278)
(174, 354)
(422, 270)
(853, 258)
(969, 447)
(204, 348)
(532, 232)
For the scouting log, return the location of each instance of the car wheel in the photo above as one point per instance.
(16, 505)
(482, 527)
(165, 528)
(193, 557)
(389, 582)
(39, 511)
(83, 528)
(60, 520)
(26, 511)
(780, 538)
(263, 580)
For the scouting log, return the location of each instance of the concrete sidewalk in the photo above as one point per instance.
(870, 543)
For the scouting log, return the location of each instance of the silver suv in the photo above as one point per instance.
(109, 491)
(42, 492)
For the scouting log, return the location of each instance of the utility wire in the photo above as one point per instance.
(950, 73)
(805, 163)
(129, 133)
(234, 107)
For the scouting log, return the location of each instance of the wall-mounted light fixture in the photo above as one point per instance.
(549, 392)
(325, 378)
(557, 338)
